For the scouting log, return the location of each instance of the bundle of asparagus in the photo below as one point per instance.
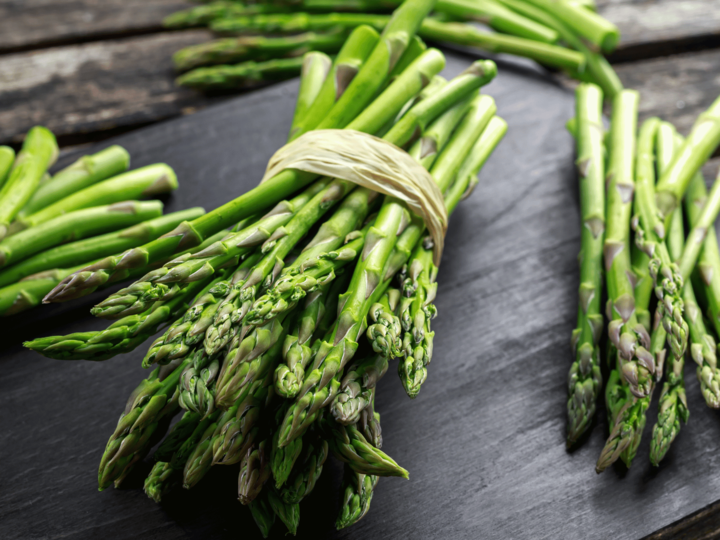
(269, 363)
(637, 227)
(270, 37)
(51, 226)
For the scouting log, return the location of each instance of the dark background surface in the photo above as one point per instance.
(484, 441)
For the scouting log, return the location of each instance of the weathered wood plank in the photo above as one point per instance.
(652, 28)
(649, 27)
(95, 87)
(675, 88)
(26, 24)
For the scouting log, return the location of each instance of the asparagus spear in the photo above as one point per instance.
(598, 69)
(202, 15)
(636, 364)
(120, 337)
(704, 138)
(289, 514)
(243, 75)
(584, 378)
(498, 17)
(76, 225)
(704, 348)
(416, 312)
(316, 67)
(262, 513)
(672, 406)
(86, 171)
(357, 389)
(161, 480)
(90, 249)
(153, 399)
(141, 183)
(597, 30)
(358, 490)
(39, 152)
(254, 472)
(7, 157)
(306, 472)
(384, 334)
(28, 292)
(350, 446)
(257, 48)
(282, 459)
(385, 107)
(350, 59)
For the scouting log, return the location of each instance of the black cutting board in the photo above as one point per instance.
(484, 441)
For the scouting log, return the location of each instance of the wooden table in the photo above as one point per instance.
(91, 69)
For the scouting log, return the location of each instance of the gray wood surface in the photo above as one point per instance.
(27, 24)
(95, 87)
(484, 441)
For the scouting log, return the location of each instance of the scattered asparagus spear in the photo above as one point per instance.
(39, 152)
(358, 490)
(141, 183)
(76, 225)
(90, 249)
(86, 171)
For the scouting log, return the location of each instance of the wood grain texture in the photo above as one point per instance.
(94, 87)
(651, 28)
(26, 24)
(484, 441)
(675, 88)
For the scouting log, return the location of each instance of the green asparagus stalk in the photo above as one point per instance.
(597, 67)
(161, 480)
(704, 138)
(464, 34)
(306, 472)
(28, 293)
(597, 30)
(649, 235)
(385, 107)
(120, 337)
(289, 514)
(282, 459)
(197, 384)
(358, 490)
(244, 75)
(701, 225)
(672, 406)
(357, 389)
(585, 378)
(86, 171)
(39, 152)
(76, 225)
(348, 62)
(498, 17)
(7, 157)
(262, 513)
(467, 177)
(153, 399)
(254, 472)
(416, 312)
(385, 332)
(145, 182)
(256, 48)
(635, 362)
(351, 447)
(369, 425)
(90, 249)
(704, 348)
(316, 67)
(203, 15)
(290, 23)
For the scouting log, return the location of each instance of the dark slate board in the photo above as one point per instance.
(484, 441)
